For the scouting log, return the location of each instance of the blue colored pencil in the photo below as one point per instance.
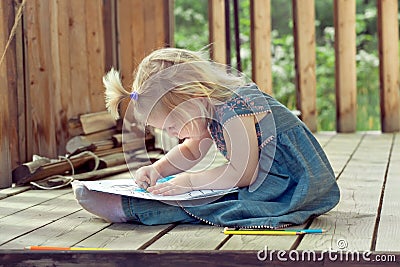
(302, 231)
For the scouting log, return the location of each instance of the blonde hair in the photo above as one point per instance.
(185, 74)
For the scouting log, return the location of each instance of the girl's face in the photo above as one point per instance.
(186, 121)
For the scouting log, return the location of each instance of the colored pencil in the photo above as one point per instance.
(243, 231)
(259, 232)
(61, 248)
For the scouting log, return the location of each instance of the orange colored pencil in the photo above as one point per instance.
(61, 248)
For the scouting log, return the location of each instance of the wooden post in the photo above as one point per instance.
(216, 15)
(345, 53)
(260, 11)
(169, 24)
(388, 32)
(345, 66)
(304, 47)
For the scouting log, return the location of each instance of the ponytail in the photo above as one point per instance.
(114, 93)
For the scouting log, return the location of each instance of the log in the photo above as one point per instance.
(80, 141)
(108, 161)
(98, 174)
(75, 127)
(28, 168)
(20, 175)
(96, 122)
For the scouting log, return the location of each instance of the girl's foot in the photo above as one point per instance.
(105, 205)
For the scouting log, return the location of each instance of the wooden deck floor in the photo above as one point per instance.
(367, 166)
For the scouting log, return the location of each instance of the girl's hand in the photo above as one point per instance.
(179, 185)
(147, 176)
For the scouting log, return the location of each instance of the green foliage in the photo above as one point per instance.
(191, 24)
(192, 33)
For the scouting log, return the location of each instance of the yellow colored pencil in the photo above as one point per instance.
(260, 232)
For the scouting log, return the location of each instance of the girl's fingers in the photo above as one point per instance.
(143, 182)
(160, 188)
(167, 189)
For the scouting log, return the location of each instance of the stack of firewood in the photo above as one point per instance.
(97, 148)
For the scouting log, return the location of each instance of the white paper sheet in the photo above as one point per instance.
(128, 187)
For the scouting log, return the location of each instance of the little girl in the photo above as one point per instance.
(282, 174)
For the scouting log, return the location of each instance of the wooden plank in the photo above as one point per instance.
(6, 11)
(64, 232)
(28, 135)
(11, 66)
(62, 72)
(324, 137)
(95, 53)
(21, 92)
(159, 31)
(39, 70)
(350, 225)
(110, 33)
(124, 236)
(56, 78)
(260, 13)
(305, 61)
(190, 237)
(138, 32)
(78, 58)
(345, 65)
(37, 216)
(125, 42)
(388, 33)
(216, 22)
(150, 25)
(27, 199)
(11, 191)
(340, 150)
(389, 231)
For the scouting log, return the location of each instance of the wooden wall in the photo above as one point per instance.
(54, 66)
(305, 62)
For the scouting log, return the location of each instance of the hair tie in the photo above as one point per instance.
(134, 95)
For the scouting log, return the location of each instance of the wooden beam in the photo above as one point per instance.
(304, 47)
(216, 15)
(260, 11)
(388, 32)
(345, 66)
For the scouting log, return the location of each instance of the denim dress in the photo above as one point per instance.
(295, 181)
